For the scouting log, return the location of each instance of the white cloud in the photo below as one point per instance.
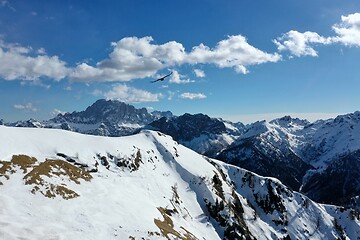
(36, 82)
(29, 107)
(192, 96)
(177, 78)
(19, 63)
(134, 57)
(348, 30)
(234, 52)
(199, 73)
(300, 44)
(125, 93)
(41, 51)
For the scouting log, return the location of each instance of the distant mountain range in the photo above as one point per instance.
(319, 159)
(104, 117)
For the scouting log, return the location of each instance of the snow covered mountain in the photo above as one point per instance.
(334, 150)
(307, 157)
(205, 135)
(319, 159)
(104, 118)
(271, 149)
(57, 184)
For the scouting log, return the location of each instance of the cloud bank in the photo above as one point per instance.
(135, 58)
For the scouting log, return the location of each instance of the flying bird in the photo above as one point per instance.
(162, 78)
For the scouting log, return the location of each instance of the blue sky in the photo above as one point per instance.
(240, 60)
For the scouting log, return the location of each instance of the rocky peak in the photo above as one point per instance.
(289, 122)
(107, 110)
(160, 114)
(348, 118)
(188, 126)
(31, 123)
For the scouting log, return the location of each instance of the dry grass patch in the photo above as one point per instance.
(51, 169)
(23, 161)
(167, 226)
(8, 167)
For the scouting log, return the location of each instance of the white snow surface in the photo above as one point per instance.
(118, 203)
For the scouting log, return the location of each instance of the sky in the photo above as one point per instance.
(240, 60)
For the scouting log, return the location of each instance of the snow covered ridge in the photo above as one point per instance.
(319, 159)
(58, 184)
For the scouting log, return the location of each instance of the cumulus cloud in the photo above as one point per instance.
(21, 63)
(199, 73)
(134, 57)
(300, 44)
(234, 52)
(177, 78)
(348, 30)
(125, 93)
(28, 107)
(192, 96)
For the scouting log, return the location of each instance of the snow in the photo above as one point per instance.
(118, 203)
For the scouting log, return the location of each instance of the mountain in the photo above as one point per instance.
(319, 159)
(270, 149)
(199, 132)
(334, 150)
(31, 123)
(104, 118)
(301, 154)
(57, 184)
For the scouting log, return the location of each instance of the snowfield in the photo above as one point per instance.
(56, 184)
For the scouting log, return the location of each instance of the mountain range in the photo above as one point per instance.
(319, 159)
(57, 184)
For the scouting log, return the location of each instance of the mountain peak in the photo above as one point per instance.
(288, 121)
(188, 126)
(107, 111)
(350, 117)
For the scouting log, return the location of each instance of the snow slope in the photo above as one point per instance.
(66, 185)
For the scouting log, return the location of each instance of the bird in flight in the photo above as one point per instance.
(162, 78)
